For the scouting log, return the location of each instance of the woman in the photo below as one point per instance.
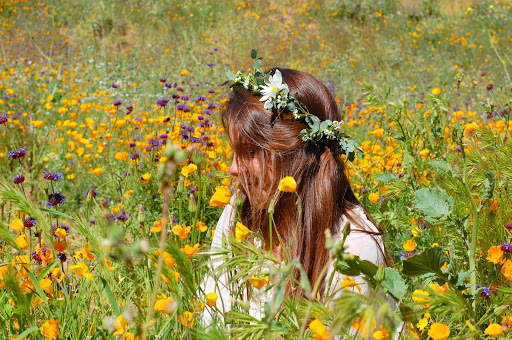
(276, 129)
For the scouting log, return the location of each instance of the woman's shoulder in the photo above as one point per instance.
(365, 239)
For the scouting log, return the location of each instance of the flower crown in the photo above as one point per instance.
(276, 95)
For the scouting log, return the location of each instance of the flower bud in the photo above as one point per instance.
(192, 205)
(89, 197)
(141, 217)
(381, 274)
(181, 186)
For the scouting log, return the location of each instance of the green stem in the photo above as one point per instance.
(501, 59)
(311, 298)
(163, 242)
(472, 249)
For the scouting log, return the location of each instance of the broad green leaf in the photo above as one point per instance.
(429, 261)
(461, 276)
(435, 203)
(441, 165)
(386, 177)
(254, 53)
(394, 283)
(257, 64)
(488, 185)
(353, 266)
(325, 124)
(230, 75)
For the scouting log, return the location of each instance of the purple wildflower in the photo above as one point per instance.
(18, 179)
(17, 153)
(506, 247)
(92, 191)
(55, 199)
(122, 216)
(3, 118)
(162, 102)
(51, 175)
(36, 257)
(118, 103)
(29, 222)
(486, 293)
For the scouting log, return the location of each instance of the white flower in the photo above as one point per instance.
(273, 88)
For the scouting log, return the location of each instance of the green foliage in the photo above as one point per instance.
(434, 203)
(429, 261)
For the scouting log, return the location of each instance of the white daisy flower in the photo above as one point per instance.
(273, 88)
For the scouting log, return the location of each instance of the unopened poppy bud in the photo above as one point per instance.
(192, 205)
(141, 217)
(348, 257)
(329, 243)
(471, 327)
(89, 197)
(239, 199)
(272, 205)
(196, 157)
(381, 274)
(181, 186)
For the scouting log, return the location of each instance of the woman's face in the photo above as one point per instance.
(251, 169)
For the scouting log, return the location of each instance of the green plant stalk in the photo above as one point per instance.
(313, 294)
(472, 249)
(199, 196)
(163, 242)
(500, 58)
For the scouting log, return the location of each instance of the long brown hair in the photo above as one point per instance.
(322, 184)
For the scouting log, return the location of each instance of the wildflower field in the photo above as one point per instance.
(114, 165)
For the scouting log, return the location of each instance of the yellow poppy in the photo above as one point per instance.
(373, 197)
(211, 299)
(439, 331)
(410, 245)
(258, 282)
(288, 184)
(494, 330)
(221, 196)
(17, 224)
(188, 169)
(50, 329)
(241, 232)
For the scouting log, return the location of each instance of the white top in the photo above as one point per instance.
(357, 243)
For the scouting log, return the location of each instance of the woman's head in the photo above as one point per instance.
(267, 148)
(269, 139)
